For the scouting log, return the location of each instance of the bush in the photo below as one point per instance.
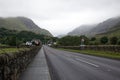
(104, 40)
(11, 41)
(93, 39)
(113, 40)
(118, 42)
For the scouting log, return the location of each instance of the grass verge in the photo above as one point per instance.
(12, 50)
(106, 54)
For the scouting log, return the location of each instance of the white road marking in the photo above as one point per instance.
(87, 62)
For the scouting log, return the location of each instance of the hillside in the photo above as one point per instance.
(81, 30)
(110, 26)
(22, 24)
(105, 26)
(114, 31)
(13, 37)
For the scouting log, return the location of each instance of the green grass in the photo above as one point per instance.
(110, 34)
(3, 45)
(12, 50)
(107, 54)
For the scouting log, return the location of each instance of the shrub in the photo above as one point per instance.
(118, 42)
(113, 40)
(104, 40)
(93, 39)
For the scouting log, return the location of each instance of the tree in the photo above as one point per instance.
(54, 39)
(69, 41)
(104, 40)
(15, 38)
(93, 39)
(113, 40)
(118, 42)
(72, 40)
(11, 41)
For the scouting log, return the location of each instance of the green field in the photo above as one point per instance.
(12, 50)
(106, 54)
(110, 34)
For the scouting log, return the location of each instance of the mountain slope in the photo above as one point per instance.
(114, 31)
(22, 24)
(105, 26)
(82, 30)
(109, 26)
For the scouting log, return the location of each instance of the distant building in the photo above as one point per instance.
(28, 43)
(36, 42)
(49, 44)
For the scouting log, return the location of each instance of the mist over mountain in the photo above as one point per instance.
(62, 35)
(22, 24)
(82, 30)
(113, 31)
(103, 27)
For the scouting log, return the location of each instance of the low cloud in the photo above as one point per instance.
(61, 16)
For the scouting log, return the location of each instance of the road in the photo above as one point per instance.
(64, 65)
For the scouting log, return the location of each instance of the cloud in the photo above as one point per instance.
(61, 16)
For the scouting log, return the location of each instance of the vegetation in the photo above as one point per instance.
(72, 40)
(106, 54)
(93, 39)
(76, 41)
(12, 50)
(113, 40)
(112, 32)
(15, 38)
(118, 42)
(115, 33)
(104, 40)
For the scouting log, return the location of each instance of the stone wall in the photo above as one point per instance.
(94, 47)
(12, 64)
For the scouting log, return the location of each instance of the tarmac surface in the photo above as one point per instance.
(66, 65)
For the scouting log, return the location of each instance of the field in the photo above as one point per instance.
(12, 50)
(107, 54)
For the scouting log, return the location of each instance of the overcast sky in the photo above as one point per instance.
(61, 16)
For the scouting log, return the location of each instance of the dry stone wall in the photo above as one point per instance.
(12, 64)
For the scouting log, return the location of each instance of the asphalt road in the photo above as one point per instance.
(66, 65)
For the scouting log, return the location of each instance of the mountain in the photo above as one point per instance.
(82, 30)
(22, 24)
(107, 26)
(113, 31)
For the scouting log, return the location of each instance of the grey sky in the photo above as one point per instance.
(61, 16)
